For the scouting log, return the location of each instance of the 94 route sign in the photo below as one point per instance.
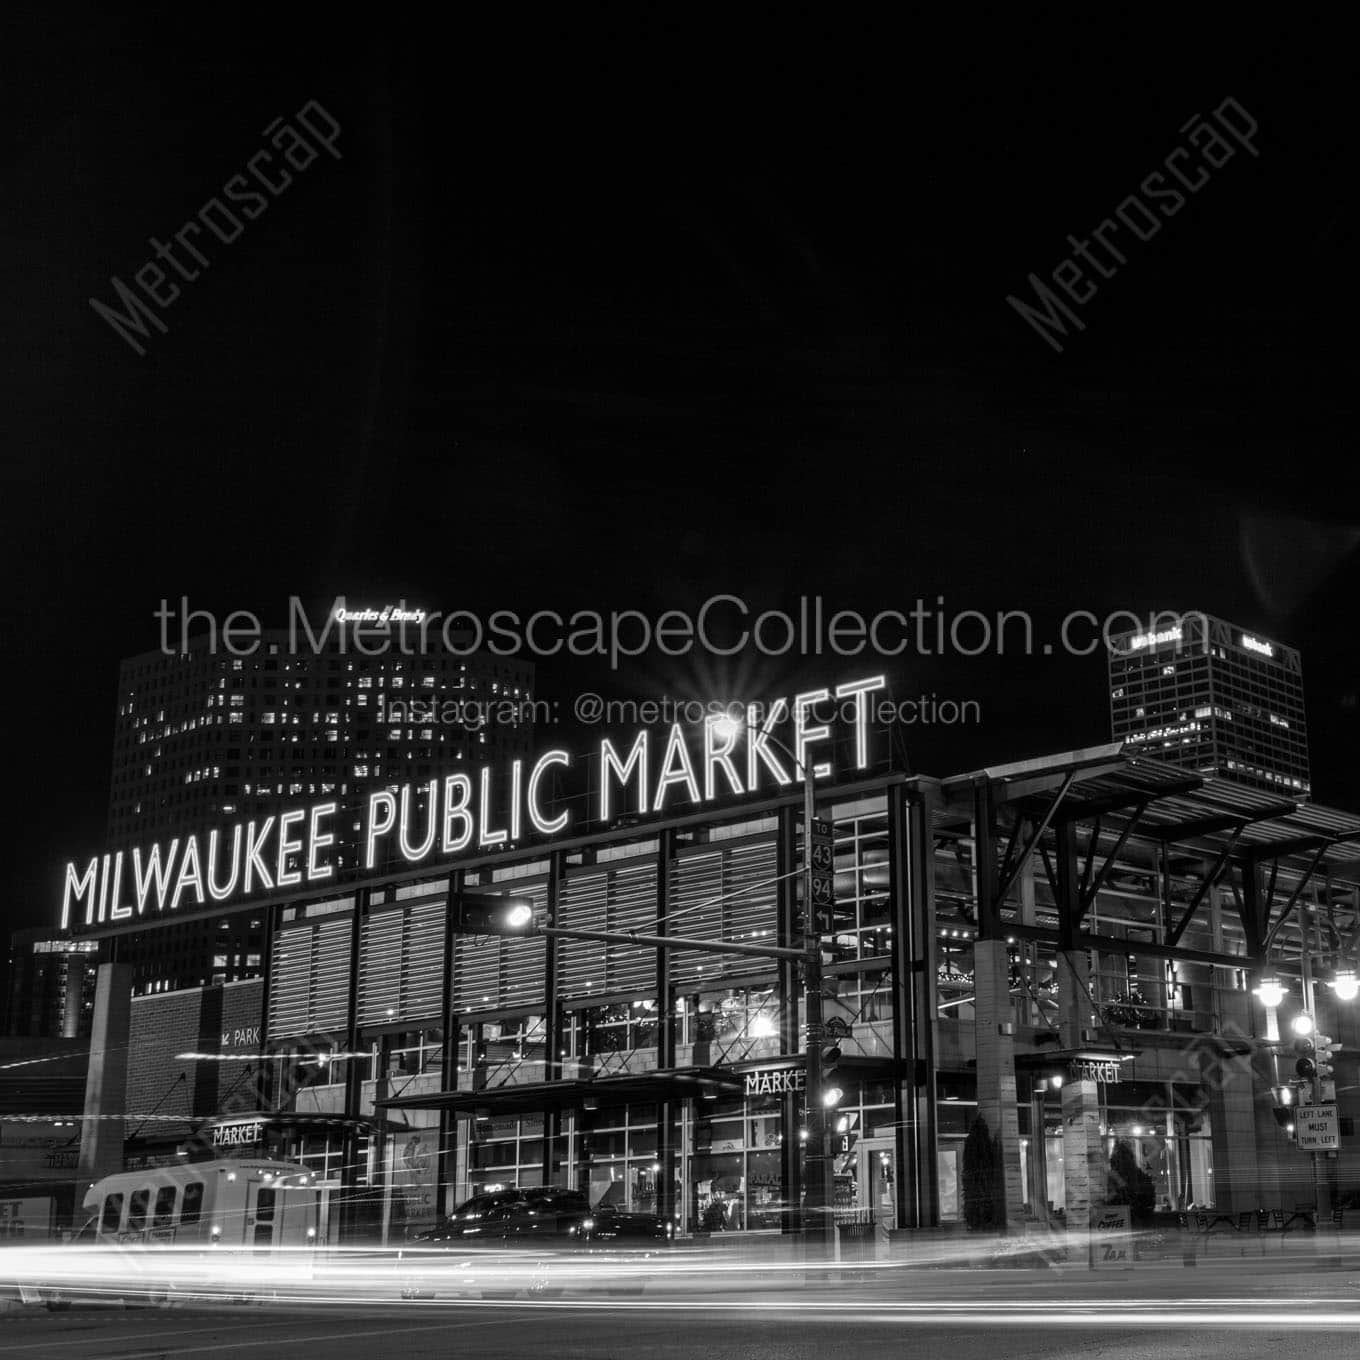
(822, 851)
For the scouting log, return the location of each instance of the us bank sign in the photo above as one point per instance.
(453, 814)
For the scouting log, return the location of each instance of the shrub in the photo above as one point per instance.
(1130, 1184)
(982, 1198)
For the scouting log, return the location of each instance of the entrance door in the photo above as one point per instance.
(877, 1180)
(262, 1217)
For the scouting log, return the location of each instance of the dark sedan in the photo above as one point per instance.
(545, 1218)
(610, 1247)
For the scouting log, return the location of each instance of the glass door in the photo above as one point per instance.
(877, 1180)
(262, 1220)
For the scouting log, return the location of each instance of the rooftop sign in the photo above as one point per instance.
(454, 814)
(1140, 640)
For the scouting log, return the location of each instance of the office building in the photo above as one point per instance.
(1212, 697)
(203, 736)
(51, 985)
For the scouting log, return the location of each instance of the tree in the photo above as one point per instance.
(1129, 1183)
(981, 1177)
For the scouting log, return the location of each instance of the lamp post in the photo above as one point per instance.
(1271, 992)
(819, 1181)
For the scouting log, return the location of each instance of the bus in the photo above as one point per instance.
(257, 1205)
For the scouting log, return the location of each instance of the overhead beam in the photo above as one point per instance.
(1276, 849)
(1018, 867)
(1088, 895)
(1206, 826)
(1211, 878)
(1293, 897)
(1092, 846)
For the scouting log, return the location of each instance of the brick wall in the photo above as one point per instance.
(203, 1020)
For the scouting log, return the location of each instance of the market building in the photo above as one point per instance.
(1066, 948)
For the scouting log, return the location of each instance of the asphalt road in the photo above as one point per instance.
(953, 1315)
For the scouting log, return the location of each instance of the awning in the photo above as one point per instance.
(541, 1096)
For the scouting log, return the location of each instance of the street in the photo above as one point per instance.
(1221, 1310)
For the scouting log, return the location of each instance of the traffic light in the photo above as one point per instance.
(1304, 1051)
(833, 1092)
(488, 914)
(1325, 1047)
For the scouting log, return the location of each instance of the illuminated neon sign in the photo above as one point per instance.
(1253, 644)
(1140, 640)
(389, 613)
(456, 813)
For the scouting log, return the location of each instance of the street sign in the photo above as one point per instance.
(821, 848)
(1317, 1128)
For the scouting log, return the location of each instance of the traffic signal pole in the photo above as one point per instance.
(819, 1199)
(1322, 1190)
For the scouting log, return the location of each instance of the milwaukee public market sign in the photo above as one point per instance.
(686, 765)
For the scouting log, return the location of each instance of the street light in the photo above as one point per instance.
(1311, 1076)
(1345, 983)
(1269, 991)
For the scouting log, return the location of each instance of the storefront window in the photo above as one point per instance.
(863, 1002)
(618, 1157)
(863, 918)
(505, 1151)
(735, 1024)
(735, 1167)
(413, 1053)
(501, 1052)
(619, 1037)
(1167, 1126)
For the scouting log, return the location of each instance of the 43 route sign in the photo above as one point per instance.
(823, 855)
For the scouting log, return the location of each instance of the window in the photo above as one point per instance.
(164, 1211)
(192, 1208)
(137, 1209)
(113, 1213)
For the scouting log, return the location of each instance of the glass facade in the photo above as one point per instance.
(419, 1067)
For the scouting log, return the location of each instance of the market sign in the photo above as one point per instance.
(693, 765)
(1104, 1073)
(776, 1081)
(1317, 1128)
(248, 1133)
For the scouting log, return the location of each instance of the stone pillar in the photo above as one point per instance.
(103, 1130)
(1075, 1012)
(1238, 1182)
(996, 1064)
(1085, 1166)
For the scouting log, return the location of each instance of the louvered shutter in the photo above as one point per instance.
(309, 982)
(616, 899)
(495, 973)
(723, 892)
(401, 960)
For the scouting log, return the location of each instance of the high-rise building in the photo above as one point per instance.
(1212, 697)
(51, 985)
(204, 737)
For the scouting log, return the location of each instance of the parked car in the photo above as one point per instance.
(545, 1217)
(550, 1221)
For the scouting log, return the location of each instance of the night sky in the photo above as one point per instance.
(618, 318)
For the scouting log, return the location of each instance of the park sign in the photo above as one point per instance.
(694, 765)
